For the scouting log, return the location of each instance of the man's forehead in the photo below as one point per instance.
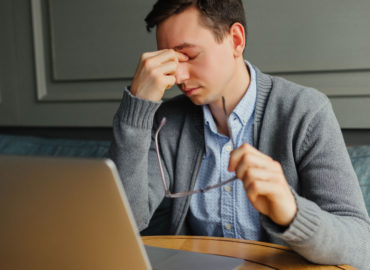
(177, 45)
(180, 31)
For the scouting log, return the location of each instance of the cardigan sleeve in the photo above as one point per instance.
(332, 225)
(133, 152)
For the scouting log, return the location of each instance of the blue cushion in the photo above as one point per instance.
(360, 157)
(35, 146)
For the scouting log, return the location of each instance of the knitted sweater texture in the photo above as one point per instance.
(294, 125)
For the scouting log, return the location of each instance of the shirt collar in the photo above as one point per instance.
(208, 119)
(245, 108)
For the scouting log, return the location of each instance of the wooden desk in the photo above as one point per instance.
(257, 255)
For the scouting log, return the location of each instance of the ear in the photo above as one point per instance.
(237, 34)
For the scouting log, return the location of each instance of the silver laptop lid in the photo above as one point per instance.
(65, 214)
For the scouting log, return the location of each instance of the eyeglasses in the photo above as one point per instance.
(168, 193)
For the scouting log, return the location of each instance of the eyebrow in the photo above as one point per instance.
(183, 46)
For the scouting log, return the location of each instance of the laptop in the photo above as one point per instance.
(66, 213)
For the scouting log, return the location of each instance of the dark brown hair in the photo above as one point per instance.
(217, 15)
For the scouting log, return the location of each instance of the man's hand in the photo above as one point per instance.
(265, 184)
(156, 73)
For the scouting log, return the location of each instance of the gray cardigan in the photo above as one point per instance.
(294, 125)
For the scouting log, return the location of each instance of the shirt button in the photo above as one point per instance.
(227, 188)
(228, 226)
(228, 148)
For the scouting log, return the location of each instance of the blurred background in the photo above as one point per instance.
(64, 63)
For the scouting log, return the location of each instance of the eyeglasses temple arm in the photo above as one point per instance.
(163, 122)
(183, 194)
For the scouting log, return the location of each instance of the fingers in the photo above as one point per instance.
(166, 73)
(169, 81)
(181, 57)
(259, 184)
(250, 156)
(271, 197)
(256, 175)
(247, 160)
(168, 68)
(156, 73)
(265, 183)
(250, 161)
(154, 59)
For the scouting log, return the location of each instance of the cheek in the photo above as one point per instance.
(209, 68)
(214, 67)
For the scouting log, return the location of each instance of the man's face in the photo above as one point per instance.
(208, 74)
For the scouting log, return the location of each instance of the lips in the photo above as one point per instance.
(190, 91)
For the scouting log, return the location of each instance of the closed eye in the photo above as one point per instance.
(192, 57)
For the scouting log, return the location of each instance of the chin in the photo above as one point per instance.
(197, 100)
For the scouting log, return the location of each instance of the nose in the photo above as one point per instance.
(182, 73)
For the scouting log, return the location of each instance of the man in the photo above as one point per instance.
(297, 185)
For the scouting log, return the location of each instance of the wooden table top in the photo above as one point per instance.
(257, 255)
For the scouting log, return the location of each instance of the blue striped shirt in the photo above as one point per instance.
(225, 211)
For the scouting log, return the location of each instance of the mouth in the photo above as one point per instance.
(190, 91)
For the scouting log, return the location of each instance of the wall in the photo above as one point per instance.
(64, 63)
